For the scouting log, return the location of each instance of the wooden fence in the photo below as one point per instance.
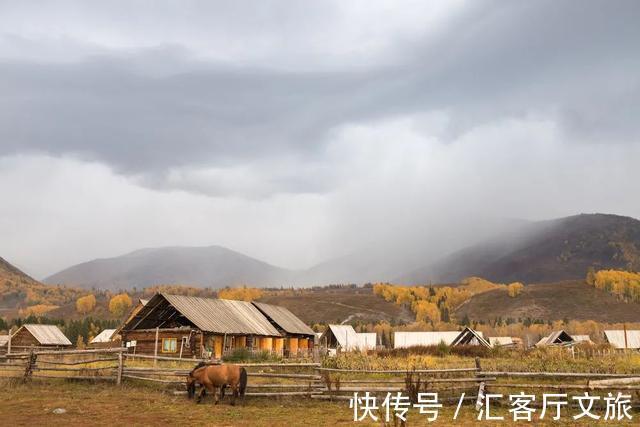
(302, 379)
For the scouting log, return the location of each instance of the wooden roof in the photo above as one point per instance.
(285, 319)
(207, 314)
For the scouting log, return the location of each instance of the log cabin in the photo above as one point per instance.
(44, 336)
(186, 327)
(297, 339)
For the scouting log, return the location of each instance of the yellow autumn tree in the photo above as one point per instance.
(86, 304)
(240, 294)
(514, 289)
(426, 311)
(120, 304)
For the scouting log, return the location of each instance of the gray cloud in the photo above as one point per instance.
(333, 129)
(146, 111)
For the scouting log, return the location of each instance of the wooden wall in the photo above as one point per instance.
(23, 338)
(146, 341)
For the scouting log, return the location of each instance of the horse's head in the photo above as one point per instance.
(191, 386)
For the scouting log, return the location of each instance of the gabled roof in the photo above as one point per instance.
(470, 336)
(46, 334)
(345, 335)
(556, 338)
(104, 336)
(207, 314)
(616, 338)
(285, 319)
(412, 339)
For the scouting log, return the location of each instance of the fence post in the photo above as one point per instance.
(481, 387)
(120, 366)
(31, 361)
(155, 349)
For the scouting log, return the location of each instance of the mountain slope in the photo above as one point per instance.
(545, 251)
(18, 290)
(201, 266)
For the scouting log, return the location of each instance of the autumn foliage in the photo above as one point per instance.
(240, 294)
(514, 289)
(119, 304)
(623, 284)
(86, 304)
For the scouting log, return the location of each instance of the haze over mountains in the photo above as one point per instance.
(529, 252)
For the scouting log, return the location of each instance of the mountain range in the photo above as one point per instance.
(530, 252)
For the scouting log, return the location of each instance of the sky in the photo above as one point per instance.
(296, 132)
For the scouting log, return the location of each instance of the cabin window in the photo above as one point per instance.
(169, 345)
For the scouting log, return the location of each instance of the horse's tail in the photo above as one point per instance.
(243, 381)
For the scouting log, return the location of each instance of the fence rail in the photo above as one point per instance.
(297, 379)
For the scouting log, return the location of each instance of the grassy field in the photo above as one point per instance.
(334, 305)
(33, 404)
(551, 301)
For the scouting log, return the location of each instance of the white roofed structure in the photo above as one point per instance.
(412, 339)
(103, 337)
(617, 339)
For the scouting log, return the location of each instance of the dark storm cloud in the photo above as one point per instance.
(146, 111)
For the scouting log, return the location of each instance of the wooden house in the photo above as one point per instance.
(296, 337)
(184, 326)
(32, 335)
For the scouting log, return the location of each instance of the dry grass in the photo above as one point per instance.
(32, 404)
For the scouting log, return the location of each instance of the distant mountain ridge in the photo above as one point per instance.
(545, 251)
(213, 266)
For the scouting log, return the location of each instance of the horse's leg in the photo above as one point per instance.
(201, 394)
(234, 394)
(216, 395)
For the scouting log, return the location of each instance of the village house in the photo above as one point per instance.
(467, 336)
(623, 339)
(413, 339)
(184, 326)
(345, 338)
(33, 335)
(296, 337)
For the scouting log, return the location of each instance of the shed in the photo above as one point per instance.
(470, 336)
(33, 335)
(556, 338)
(345, 338)
(617, 339)
(412, 339)
(340, 336)
(297, 337)
(190, 326)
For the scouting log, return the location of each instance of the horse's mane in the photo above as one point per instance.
(198, 366)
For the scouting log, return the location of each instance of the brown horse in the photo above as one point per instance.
(213, 376)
